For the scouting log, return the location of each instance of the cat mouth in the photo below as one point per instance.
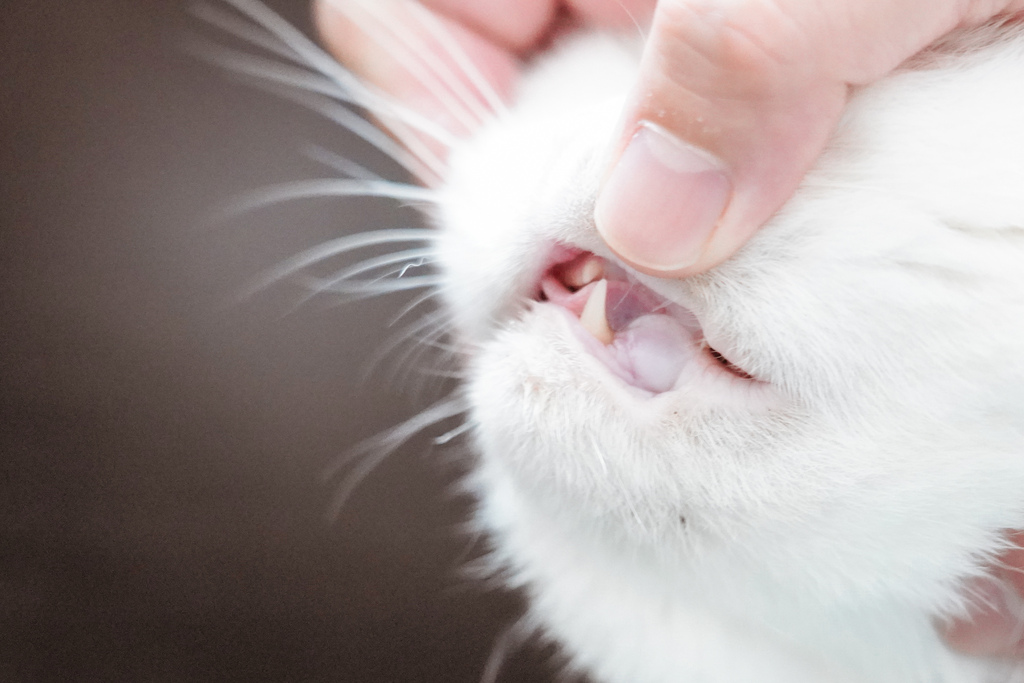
(646, 340)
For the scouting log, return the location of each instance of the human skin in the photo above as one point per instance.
(734, 103)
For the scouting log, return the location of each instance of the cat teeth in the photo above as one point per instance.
(593, 318)
(583, 271)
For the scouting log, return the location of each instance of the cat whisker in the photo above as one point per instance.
(340, 163)
(373, 288)
(450, 436)
(428, 321)
(385, 108)
(419, 61)
(424, 168)
(419, 150)
(462, 60)
(317, 93)
(507, 642)
(335, 248)
(303, 48)
(327, 187)
(263, 70)
(413, 305)
(443, 374)
(477, 102)
(409, 258)
(449, 349)
(322, 96)
(411, 361)
(421, 333)
(248, 32)
(373, 451)
(351, 243)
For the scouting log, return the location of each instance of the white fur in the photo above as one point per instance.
(828, 525)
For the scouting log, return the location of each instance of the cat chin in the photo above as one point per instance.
(709, 536)
(539, 393)
(710, 614)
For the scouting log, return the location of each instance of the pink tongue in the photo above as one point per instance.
(654, 349)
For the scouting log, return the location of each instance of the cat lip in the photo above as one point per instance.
(646, 340)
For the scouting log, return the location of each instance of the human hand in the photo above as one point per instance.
(996, 626)
(734, 102)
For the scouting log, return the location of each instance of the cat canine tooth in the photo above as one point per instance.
(583, 271)
(593, 317)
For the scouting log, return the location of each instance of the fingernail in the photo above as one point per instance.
(662, 200)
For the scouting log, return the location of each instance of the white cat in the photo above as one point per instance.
(781, 471)
(804, 514)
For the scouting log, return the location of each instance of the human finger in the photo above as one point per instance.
(734, 103)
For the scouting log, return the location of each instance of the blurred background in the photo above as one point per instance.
(163, 515)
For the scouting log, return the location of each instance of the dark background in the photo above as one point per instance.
(162, 511)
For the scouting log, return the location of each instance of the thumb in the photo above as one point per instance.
(735, 101)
